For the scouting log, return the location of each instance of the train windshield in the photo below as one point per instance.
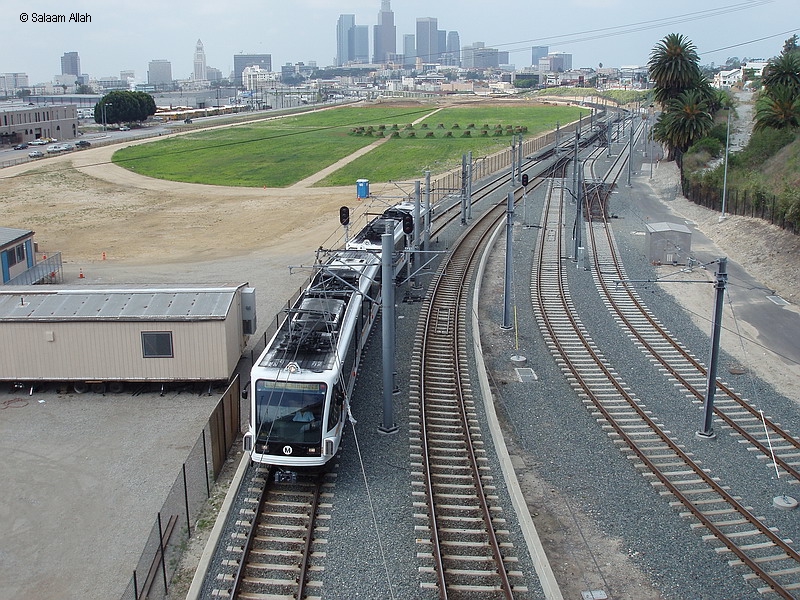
(289, 412)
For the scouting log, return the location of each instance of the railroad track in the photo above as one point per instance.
(277, 550)
(772, 442)
(731, 527)
(465, 548)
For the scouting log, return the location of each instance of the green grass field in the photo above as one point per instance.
(280, 152)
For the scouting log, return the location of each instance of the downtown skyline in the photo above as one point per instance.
(612, 32)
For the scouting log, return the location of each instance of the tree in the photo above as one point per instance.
(124, 107)
(783, 71)
(790, 45)
(778, 108)
(778, 105)
(685, 120)
(673, 66)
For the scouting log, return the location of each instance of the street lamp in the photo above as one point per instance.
(104, 113)
(725, 170)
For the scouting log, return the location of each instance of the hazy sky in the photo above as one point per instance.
(127, 34)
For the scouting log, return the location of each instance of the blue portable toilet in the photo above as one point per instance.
(362, 188)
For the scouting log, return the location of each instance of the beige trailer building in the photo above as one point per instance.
(115, 335)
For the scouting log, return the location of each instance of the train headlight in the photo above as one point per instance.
(293, 367)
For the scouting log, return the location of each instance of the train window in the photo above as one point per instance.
(335, 412)
(157, 344)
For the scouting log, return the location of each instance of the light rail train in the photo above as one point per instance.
(301, 384)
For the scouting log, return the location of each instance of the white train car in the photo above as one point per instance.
(301, 384)
(391, 221)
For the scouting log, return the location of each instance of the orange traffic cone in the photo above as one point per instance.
(80, 273)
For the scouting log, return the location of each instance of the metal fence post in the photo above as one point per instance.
(205, 464)
(186, 502)
(163, 560)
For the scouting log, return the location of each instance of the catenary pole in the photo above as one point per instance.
(388, 332)
(509, 262)
(716, 328)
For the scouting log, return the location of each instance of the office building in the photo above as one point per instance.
(352, 41)
(452, 54)
(199, 73)
(70, 64)
(11, 83)
(256, 78)
(478, 56)
(24, 124)
(556, 62)
(538, 52)
(159, 74)
(360, 43)
(343, 39)
(384, 35)
(427, 39)
(409, 50)
(240, 61)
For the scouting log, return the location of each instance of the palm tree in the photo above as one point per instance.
(783, 71)
(779, 108)
(685, 120)
(673, 66)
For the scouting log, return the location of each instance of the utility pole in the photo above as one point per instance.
(716, 328)
(509, 262)
(630, 155)
(469, 184)
(725, 170)
(427, 230)
(513, 160)
(463, 189)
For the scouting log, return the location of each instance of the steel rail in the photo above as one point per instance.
(631, 443)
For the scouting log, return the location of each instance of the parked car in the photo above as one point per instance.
(38, 142)
(36, 154)
(82, 144)
(56, 148)
(21, 146)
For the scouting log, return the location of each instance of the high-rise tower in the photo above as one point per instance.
(428, 50)
(199, 62)
(344, 36)
(70, 64)
(384, 34)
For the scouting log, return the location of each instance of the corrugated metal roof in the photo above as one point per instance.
(135, 304)
(9, 234)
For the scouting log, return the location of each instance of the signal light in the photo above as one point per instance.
(524, 179)
(408, 224)
(344, 215)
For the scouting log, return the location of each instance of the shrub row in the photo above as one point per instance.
(380, 131)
